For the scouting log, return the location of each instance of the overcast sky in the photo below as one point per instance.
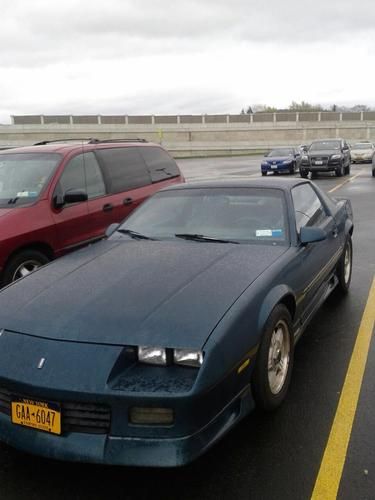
(183, 56)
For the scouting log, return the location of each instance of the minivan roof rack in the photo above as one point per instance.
(107, 141)
(71, 139)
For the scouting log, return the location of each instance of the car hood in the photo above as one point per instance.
(5, 211)
(361, 151)
(278, 158)
(325, 152)
(135, 292)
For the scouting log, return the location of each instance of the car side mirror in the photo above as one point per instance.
(111, 229)
(75, 196)
(309, 234)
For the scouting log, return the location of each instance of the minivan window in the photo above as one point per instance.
(160, 165)
(24, 175)
(125, 168)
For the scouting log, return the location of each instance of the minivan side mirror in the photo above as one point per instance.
(309, 234)
(70, 196)
(75, 196)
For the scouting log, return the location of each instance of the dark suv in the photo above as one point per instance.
(55, 197)
(328, 155)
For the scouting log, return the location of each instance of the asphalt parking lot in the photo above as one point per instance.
(300, 451)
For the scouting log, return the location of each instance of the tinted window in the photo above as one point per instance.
(160, 164)
(83, 172)
(125, 167)
(94, 179)
(307, 206)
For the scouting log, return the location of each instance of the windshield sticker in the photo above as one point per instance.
(275, 233)
(27, 194)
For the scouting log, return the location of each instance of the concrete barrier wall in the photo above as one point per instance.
(193, 135)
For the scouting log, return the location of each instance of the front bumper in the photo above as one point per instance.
(99, 385)
(128, 450)
(276, 168)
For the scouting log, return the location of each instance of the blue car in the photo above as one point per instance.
(281, 160)
(148, 347)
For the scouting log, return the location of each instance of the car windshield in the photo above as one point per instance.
(237, 215)
(362, 146)
(280, 152)
(324, 145)
(24, 175)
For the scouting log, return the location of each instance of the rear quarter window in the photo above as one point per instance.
(159, 163)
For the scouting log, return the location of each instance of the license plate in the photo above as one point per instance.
(37, 414)
(273, 166)
(318, 162)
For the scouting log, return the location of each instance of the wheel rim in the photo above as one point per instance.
(25, 268)
(347, 264)
(278, 357)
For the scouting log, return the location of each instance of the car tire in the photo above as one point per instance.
(270, 385)
(344, 267)
(264, 173)
(347, 170)
(304, 173)
(340, 171)
(292, 169)
(373, 172)
(23, 263)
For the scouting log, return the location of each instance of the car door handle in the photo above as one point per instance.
(335, 232)
(128, 201)
(107, 207)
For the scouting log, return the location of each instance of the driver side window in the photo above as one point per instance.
(82, 172)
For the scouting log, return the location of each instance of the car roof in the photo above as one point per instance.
(66, 147)
(283, 184)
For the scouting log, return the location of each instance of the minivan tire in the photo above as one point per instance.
(22, 264)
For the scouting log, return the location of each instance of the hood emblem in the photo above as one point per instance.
(41, 363)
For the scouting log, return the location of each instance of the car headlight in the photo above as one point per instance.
(152, 355)
(264, 164)
(285, 162)
(188, 357)
(335, 157)
(305, 158)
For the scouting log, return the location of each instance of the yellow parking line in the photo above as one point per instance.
(351, 179)
(331, 467)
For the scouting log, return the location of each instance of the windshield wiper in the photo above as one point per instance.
(13, 201)
(201, 237)
(134, 234)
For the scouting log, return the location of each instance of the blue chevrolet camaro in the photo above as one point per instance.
(146, 348)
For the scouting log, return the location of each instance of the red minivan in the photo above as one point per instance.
(57, 196)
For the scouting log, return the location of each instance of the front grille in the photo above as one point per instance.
(85, 417)
(323, 159)
(89, 418)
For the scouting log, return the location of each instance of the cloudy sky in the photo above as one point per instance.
(183, 56)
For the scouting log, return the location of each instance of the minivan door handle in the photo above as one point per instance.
(107, 207)
(128, 201)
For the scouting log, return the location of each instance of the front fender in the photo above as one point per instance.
(274, 297)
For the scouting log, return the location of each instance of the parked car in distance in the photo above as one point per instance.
(146, 348)
(362, 152)
(328, 155)
(57, 196)
(281, 160)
